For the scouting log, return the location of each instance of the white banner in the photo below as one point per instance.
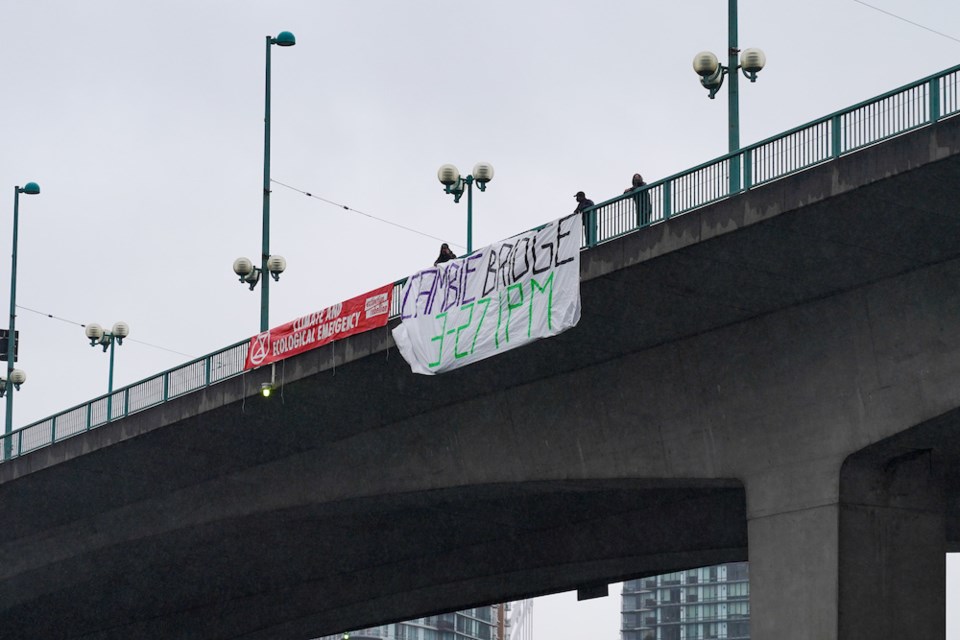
(498, 298)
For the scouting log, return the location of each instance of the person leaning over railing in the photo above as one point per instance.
(583, 202)
(641, 199)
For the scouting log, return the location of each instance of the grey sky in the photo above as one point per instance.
(143, 124)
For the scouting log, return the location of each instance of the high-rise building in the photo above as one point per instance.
(480, 623)
(709, 602)
(518, 621)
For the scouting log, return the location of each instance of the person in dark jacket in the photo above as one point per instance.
(582, 203)
(445, 254)
(641, 199)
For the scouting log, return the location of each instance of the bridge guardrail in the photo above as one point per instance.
(888, 115)
(891, 114)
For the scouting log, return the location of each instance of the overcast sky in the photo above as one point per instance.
(143, 124)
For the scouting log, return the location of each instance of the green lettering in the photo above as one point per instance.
(511, 306)
(496, 335)
(486, 305)
(439, 336)
(534, 286)
(456, 343)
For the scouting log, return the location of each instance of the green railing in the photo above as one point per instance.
(155, 390)
(915, 105)
(891, 114)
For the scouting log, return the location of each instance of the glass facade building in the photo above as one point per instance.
(498, 622)
(518, 623)
(709, 602)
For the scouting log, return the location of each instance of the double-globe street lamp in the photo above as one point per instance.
(453, 183)
(274, 265)
(712, 73)
(15, 377)
(106, 339)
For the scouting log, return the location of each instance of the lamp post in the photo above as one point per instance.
(98, 336)
(15, 377)
(711, 73)
(449, 177)
(274, 265)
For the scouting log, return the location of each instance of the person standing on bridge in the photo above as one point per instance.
(583, 202)
(641, 199)
(446, 254)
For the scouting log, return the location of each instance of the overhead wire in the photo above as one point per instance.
(363, 213)
(80, 324)
(292, 188)
(916, 24)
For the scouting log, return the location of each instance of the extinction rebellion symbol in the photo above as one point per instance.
(261, 349)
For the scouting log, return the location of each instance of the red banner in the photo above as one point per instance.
(355, 315)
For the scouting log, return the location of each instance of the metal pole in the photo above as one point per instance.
(733, 95)
(264, 274)
(110, 384)
(469, 181)
(11, 339)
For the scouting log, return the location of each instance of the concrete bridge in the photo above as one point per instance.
(771, 378)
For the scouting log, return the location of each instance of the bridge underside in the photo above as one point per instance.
(293, 572)
(727, 366)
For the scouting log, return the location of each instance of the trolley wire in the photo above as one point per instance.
(363, 213)
(916, 24)
(79, 324)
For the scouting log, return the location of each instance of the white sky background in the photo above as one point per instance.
(143, 125)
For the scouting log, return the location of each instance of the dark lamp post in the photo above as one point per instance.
(274, 265)
(449, 177)
(107, 339)
(15, 377)
(712, 73)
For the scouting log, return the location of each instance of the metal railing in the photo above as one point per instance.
(915, 105)
(892, 114)
(194, 375)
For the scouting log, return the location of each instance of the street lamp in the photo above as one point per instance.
(250, 274)
(274, 265)
(15, 377)
(98, 336)
(711, 73)
(449, 177)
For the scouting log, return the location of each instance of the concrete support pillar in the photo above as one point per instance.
(793, 575)
(893, 553)
(871, 564)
